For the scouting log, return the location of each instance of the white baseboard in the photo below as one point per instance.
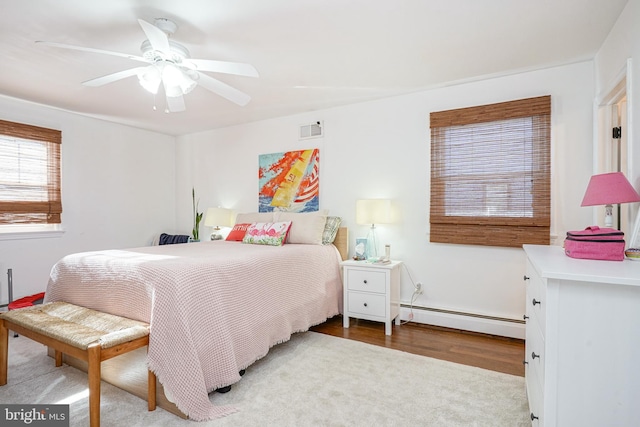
(463, 321)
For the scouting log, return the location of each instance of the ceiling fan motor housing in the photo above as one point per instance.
(178, 52)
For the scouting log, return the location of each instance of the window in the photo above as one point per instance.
(490, 174)
(30, 174)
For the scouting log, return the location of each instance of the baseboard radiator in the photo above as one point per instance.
(500, 326)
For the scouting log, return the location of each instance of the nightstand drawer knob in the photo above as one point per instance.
(525, 317)
(535, 301)
(525, 277)
(533, 417)
(365, 304)
(364, 281)
(533, 355)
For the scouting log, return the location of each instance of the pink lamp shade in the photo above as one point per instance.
(609, 189)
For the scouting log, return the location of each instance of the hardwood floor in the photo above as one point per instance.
(469, 348)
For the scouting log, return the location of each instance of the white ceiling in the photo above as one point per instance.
(311, 54)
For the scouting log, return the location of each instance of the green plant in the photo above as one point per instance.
(197, 216)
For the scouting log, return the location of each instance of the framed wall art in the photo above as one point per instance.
(360, 251)
(289, 181)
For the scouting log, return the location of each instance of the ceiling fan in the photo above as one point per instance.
(171, 66)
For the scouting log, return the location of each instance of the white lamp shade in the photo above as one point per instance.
(175, 81)
(150, 78)
(373, 211)
(218, 217)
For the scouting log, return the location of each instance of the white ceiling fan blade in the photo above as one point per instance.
(158, 39)
(223, 89)
(110, 78)
(92, 50)
(237, 68)
(175, 104)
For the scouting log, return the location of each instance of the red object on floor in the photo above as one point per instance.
(26, 301)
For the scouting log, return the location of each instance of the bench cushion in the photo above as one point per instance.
(77, 326)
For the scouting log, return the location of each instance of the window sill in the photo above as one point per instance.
(29, 232)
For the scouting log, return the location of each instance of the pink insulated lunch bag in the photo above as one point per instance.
(595, 243)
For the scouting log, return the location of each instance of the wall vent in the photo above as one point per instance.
(313, 130)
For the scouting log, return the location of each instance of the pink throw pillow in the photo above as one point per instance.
(267, 233)
(237, 232)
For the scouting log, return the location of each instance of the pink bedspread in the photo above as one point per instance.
(214, 307)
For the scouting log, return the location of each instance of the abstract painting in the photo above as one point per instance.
(289, 181)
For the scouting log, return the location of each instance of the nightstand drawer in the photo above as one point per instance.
(366, 280)
(365, 303)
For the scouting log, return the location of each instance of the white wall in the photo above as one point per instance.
(611, 63)
(118, 189)
(381, 149)
(612, 55)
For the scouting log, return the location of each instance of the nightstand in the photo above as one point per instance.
(371, 292)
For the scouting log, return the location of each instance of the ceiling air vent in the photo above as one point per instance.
(314, 130)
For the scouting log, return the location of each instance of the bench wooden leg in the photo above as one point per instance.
(58, 357)
(93, 371)
(151, 398)
(4, 351)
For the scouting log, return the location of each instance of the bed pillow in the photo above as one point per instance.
(306, 227)
(267, 233)
(331, 229)
(238, 231)
(252, 217)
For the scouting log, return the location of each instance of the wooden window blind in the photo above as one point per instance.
(490, 174)
(30, 174)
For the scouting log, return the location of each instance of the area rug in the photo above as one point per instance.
(311, 380)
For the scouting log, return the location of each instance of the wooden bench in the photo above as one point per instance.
(80, 332)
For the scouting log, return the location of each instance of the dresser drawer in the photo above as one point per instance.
(366, 303)
(536, 304)
(534, 352)
(366, 280)
(536, 406)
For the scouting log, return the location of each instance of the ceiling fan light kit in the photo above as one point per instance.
(171, 65)
(174, 80)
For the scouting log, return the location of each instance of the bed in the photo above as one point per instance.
(214, 307)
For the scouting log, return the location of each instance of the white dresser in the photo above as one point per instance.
(582, 351)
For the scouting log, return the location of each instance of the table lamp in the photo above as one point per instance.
(608, 189)
(216, 218)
